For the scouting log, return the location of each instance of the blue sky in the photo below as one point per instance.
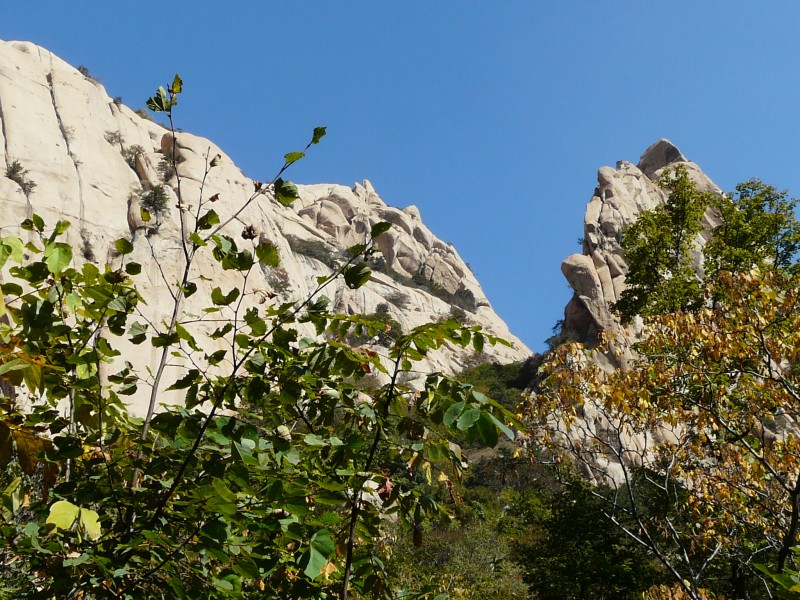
(492, 118)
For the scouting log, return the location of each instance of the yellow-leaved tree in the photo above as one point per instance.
(696, 441)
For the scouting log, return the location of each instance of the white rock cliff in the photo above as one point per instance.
(91, 159)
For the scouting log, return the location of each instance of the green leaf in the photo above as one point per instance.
(138, 332)
(320, 547)
(208, 220)
(313, 440)
(189, 289)
(197, 239)
(177, 85)
(216, 357)
(222, 331)
(77, 561)
(246, 567)
(357, 275)
(144, 214)
(487, 432)
(187, 380)
(90, 522)
(38, 222)
(468, 418)
(162, 340)
(184, 334)
(357, 249)
(60, 228)
(453, 413)
(319, 133)
(123, 246)
(477, 342)
(257, 325)
(15, 364)
(223, 584)
(57, 255)
(267, 254)
(286, 192)
(160, 102)
(220, 299)
(503, 427)
(379, 228)
(63, 514)
(10, 247)
(293, 157)
(133, 268)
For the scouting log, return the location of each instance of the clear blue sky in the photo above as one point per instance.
(491, 117)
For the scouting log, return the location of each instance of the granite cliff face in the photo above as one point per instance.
(94, 161)
(597, 276)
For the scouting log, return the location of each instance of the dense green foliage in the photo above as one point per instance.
(658, 250)
(278, 472)
(504, 383)
(756, 227)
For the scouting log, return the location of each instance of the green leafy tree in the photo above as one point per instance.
(758, 229)
(571, 550)
(267, 479)
(658, 250)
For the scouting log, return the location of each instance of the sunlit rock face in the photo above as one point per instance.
(597, 275)
(93, 161)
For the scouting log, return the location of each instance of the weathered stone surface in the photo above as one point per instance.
(92, 159)
(659, 155)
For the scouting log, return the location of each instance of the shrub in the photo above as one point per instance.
(17, 173)
(379, 327)
(113, 137)
(83, 70)
(278, 280)
(142, 112)
(167, 165)
(130, 153)
(155, 200)
(86, 246)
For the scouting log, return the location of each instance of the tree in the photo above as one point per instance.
(758, 229)
(571, 551)
(705, 418)
(267, 479)
(658, 250)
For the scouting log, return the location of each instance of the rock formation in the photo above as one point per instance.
(94, 162)
(597, 276)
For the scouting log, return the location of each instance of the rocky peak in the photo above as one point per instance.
(597, 275)
(96, 163)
